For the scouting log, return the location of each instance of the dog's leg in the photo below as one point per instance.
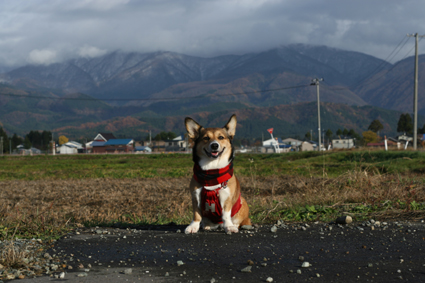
(227, 205)
(197, 216)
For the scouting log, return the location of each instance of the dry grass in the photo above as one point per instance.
(13, 256)
(52, 205)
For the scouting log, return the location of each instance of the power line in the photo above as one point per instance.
(380, 76)
(386, 60)
(156, 99)
(405, 56)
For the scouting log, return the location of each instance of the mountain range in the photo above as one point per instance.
(151, 90)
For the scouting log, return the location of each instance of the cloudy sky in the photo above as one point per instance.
(48, 31)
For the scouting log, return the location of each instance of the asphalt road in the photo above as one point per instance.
(351, 253)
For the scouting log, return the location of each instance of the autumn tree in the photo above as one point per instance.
(405, 124)
(375, 126)
(62, 140)
(370, 137)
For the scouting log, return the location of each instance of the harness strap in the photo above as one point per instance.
(211, 207)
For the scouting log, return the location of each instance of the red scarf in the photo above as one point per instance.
(214, 176)
(210, 202)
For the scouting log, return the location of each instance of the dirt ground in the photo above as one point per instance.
(60, 202)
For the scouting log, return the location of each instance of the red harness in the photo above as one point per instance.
(210, 201)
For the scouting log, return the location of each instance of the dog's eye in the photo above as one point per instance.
(206, 138)
(221, 138)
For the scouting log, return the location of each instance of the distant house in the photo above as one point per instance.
(180, 141)
(156, 146)
(142, 149)
(313, 144)
(71, 147)
(293, 142)
(405, 138)
(272, 142)
(342, 143)
(104, 137)
(113, 146)
(306, 146)
(168, 145)
(31, 151)
(100, 137)
(269, 146)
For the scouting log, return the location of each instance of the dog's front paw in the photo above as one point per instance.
(192, 228)
(231, 229)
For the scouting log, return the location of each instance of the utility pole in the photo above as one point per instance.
(311, 134)
(1, 145)
(415, 92)
(316, 82)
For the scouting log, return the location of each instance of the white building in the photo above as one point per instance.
(180, 141)
(292, 142)
(71, 147)
(271, 142)
(342, 143)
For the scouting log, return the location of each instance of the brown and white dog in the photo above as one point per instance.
(216, 193)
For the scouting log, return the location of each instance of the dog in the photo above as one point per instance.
(216, 193)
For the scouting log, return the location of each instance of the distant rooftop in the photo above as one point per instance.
(119, 142)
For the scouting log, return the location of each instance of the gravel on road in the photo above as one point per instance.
(370, 251)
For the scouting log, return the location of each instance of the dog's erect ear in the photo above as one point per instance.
(231, 126)
(192, 128)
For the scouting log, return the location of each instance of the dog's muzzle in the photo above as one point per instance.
(214, 150)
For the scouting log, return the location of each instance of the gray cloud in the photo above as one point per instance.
(46, 31)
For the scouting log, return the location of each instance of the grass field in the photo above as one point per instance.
(46, 196)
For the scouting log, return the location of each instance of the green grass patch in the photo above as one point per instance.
(179, 165)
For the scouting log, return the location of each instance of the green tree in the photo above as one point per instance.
(345, 132)
(5, 140)
(329, 134)
(308, 136)
(354, 135)
(405, 124)
(338, 132)
(27, 143)
(16, 141)
(46, 137)
(40, 139)
(165, 136)
(375, 126)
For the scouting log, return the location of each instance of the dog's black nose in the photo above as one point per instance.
(214, 146)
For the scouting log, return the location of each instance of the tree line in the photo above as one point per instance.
(40, 140)
(404, 125)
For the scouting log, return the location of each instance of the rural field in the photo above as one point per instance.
(46, 196)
